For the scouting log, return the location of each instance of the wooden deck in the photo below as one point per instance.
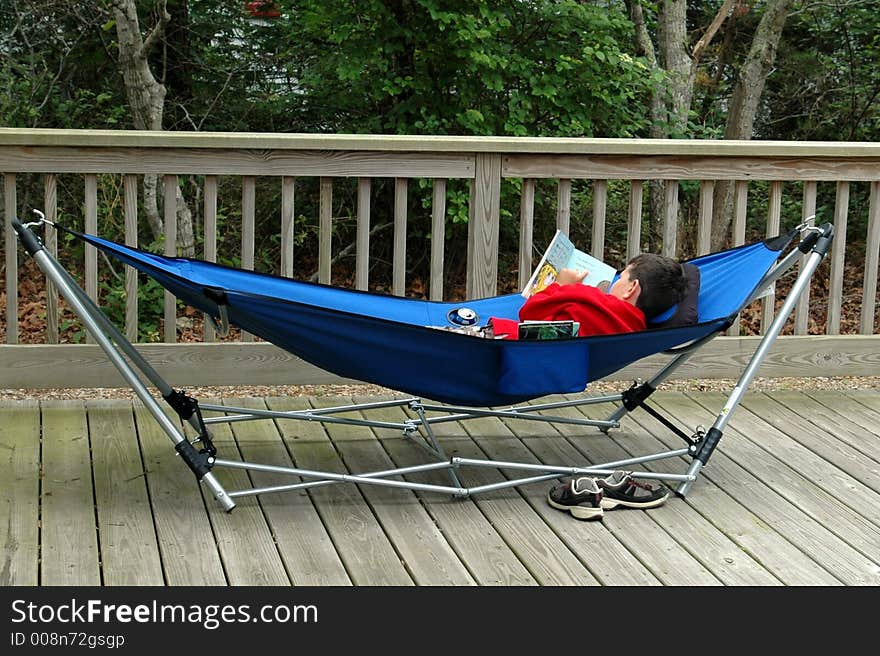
(93, 494)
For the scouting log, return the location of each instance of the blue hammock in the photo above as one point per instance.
(388, 340)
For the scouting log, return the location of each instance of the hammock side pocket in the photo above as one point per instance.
(539, 368)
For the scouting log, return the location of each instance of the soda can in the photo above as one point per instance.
(462, 317)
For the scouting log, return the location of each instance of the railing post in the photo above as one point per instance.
(838, 255)
(398, 267)
(482, 270)
(526, 230)
(670, 218)
(634, 233)
(9, 207)
(130, 202)
(287, 224)
(438, 238)
(210, 224)
(50, 239)
(362, 257)
(802, 312)
(600, 203)
(91, 253)
(872, 256)
(170, 227)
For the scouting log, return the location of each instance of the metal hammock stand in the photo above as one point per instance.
(201, 456)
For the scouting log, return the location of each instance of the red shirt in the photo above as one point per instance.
(598, 313)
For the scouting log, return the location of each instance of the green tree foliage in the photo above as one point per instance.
(501, 67)
(53, 72)
(829, 88)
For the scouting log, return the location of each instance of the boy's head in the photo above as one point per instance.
(653, 283)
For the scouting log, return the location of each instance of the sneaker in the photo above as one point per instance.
(582, 497)
(621, 489)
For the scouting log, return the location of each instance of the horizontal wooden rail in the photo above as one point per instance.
(30, 137)
(260, 363)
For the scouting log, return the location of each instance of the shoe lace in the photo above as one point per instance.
(638, 483)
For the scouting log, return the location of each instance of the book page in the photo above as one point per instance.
(597, 271)
(562, 254)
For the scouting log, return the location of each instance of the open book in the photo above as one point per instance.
(561, 254)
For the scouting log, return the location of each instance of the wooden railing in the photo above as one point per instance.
(484, 162)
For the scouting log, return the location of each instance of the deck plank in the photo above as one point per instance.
(829, 464)
(543, 548)
(693, 531)
(69, 535)
(421, 545)
(470, 533)
(867, 399)
(648, 541)
(20, 473)
(841, 427)
(782, 498)
(182, 525)
(127, 536)
(304, 544)
(842, 404)
(247, 546)
(368, 556)
(749, 532)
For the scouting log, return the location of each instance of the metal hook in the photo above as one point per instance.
(42, 220)
(807, 224)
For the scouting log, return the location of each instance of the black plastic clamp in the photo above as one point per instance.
(823, 243)
(183, 404)
(186, 406)
(27, 238)
(636, 395)
(707, 444)
(200, 462)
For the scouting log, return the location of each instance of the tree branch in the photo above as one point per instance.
(713, 28)
(643, 38)
(216, 98)
(158, 29)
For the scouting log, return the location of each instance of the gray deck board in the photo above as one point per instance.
(546, 555)
(127, 534)
(305, 547)
(719, 556)
(247, 546)
(94, 494)
(421, 545)
(485, 553)
(789, 502)
(20, 511)
(70, 537)
(182, 523)
(752, 535)
(366, 553)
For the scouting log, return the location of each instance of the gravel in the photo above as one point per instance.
(701, 385)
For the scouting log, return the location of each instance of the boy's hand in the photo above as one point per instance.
(570, 276)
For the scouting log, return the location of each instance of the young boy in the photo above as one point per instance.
(648, 286)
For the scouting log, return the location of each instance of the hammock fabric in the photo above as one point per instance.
(389, 341)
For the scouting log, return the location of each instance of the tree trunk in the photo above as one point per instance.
(645, 48)
(744, 103)
(146, 99)
(673, 38)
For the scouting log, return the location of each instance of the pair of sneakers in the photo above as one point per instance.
(588, 498)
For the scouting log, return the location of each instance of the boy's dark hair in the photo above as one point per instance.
(662, 281)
